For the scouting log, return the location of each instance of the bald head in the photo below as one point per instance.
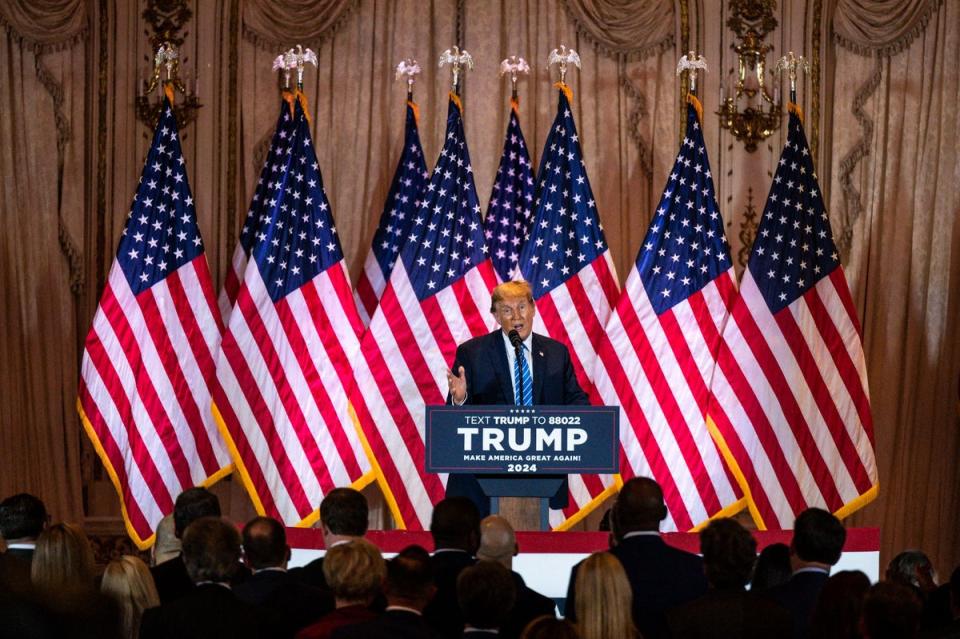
(639, 506)
(498, 542)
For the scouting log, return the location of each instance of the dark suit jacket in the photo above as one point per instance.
(14, 572)
(172, 579)
(209, 610)
(392, 624)
(443, 612)
(799, 596)
(339, 618)
(661, 577)
(530, 604)
(729, 615)
(297, 604)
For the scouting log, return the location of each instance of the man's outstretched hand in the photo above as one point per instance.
(458, 385)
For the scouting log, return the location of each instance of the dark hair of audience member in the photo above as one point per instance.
(890, 611)
(818, 536)
(265, 543)
(129, 583)
(604, 600)
(912, 568)
(191, 505)
(486, 594)
(729, 552)
(22, 516)
(455, 523)
(639, 507)
(836, 614)
(547, 627)
(344, 511)
(211, 550)
(409, 580)
(355, 572)
(63, 560)
(772, 568)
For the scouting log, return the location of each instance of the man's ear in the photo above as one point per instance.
(288, 555)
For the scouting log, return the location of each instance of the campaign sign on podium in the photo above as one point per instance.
(548, 440)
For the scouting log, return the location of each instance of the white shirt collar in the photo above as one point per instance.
(642, 533)
(405, 609)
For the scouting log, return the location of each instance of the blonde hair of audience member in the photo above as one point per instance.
(355, 572)
(604, 610)
(166, 544)
(63, 559)
(128, 582)
(498, 542)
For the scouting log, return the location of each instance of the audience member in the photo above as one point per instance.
(660, 576)
(455, 527)
(171, 576)
(890, 611)
(818, 539)
(62, 560)
(22, 518)
(166, 544)
(549, 627)
(128, 582)
(408, 588)
(266, 553)
(950, 629)
(355, 572)
(344, 517)
(485, 593)
(498, 542)
(836, 614)
(728, 610)
(772, 568)
(913, 568)
(211, 550)
(603, 608)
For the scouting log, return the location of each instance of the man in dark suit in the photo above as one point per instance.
(22, 518)
(211, 550)
(485, 592)
(818, 539)
(661, 576)
(498, 542)
(266, 553)
(487, 370)
(408, 587)
(455, 527)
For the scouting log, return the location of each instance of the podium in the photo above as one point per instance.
(521, 454)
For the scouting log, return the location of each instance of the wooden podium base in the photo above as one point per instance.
(523, 513)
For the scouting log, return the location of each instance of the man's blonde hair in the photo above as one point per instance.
(517, 288)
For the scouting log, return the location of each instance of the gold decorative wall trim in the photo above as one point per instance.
(748, 230)
(103, 61)
(816, 50)
(645, 153)
(233, 119)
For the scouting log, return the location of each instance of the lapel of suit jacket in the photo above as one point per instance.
(539, 366)
(500, 364)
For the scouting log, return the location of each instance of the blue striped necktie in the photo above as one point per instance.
(521, 371)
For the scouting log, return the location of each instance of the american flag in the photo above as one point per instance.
(508, 213)
(285, 364)
(149, 356)
(568, 264)
(659, 350)
(401, 205)
(438, 296)
(259, 211)
(792, 404)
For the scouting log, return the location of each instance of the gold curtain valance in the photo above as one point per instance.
(628, 28)
(882, 27)
(280, 24)
(44, 25)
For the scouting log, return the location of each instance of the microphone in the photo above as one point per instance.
(515, 339)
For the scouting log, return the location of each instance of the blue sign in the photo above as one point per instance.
(522, 439)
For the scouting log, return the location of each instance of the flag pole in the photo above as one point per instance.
(408, 68)
(459, 60)
(514, 65)
(562, 57)
(792, 64)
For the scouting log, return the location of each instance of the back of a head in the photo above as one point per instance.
(890, 610)
(639, 506)
(211, 550)
(191, 505)
(22, 516)
(498, 541)
(907, 566)
(166, 545)
(604, 598)
(344, 511)
(129, 583)
(547, 627)
(836, 614)
(354, 571)
(772, 568)
(729, 552)
(818, 536)
(410, 578)
(265, 543)
(455, 523)
(486, 594)
(63, 559)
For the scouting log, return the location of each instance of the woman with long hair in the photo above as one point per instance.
(63, 560)
(129, 583)
(604, 599)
